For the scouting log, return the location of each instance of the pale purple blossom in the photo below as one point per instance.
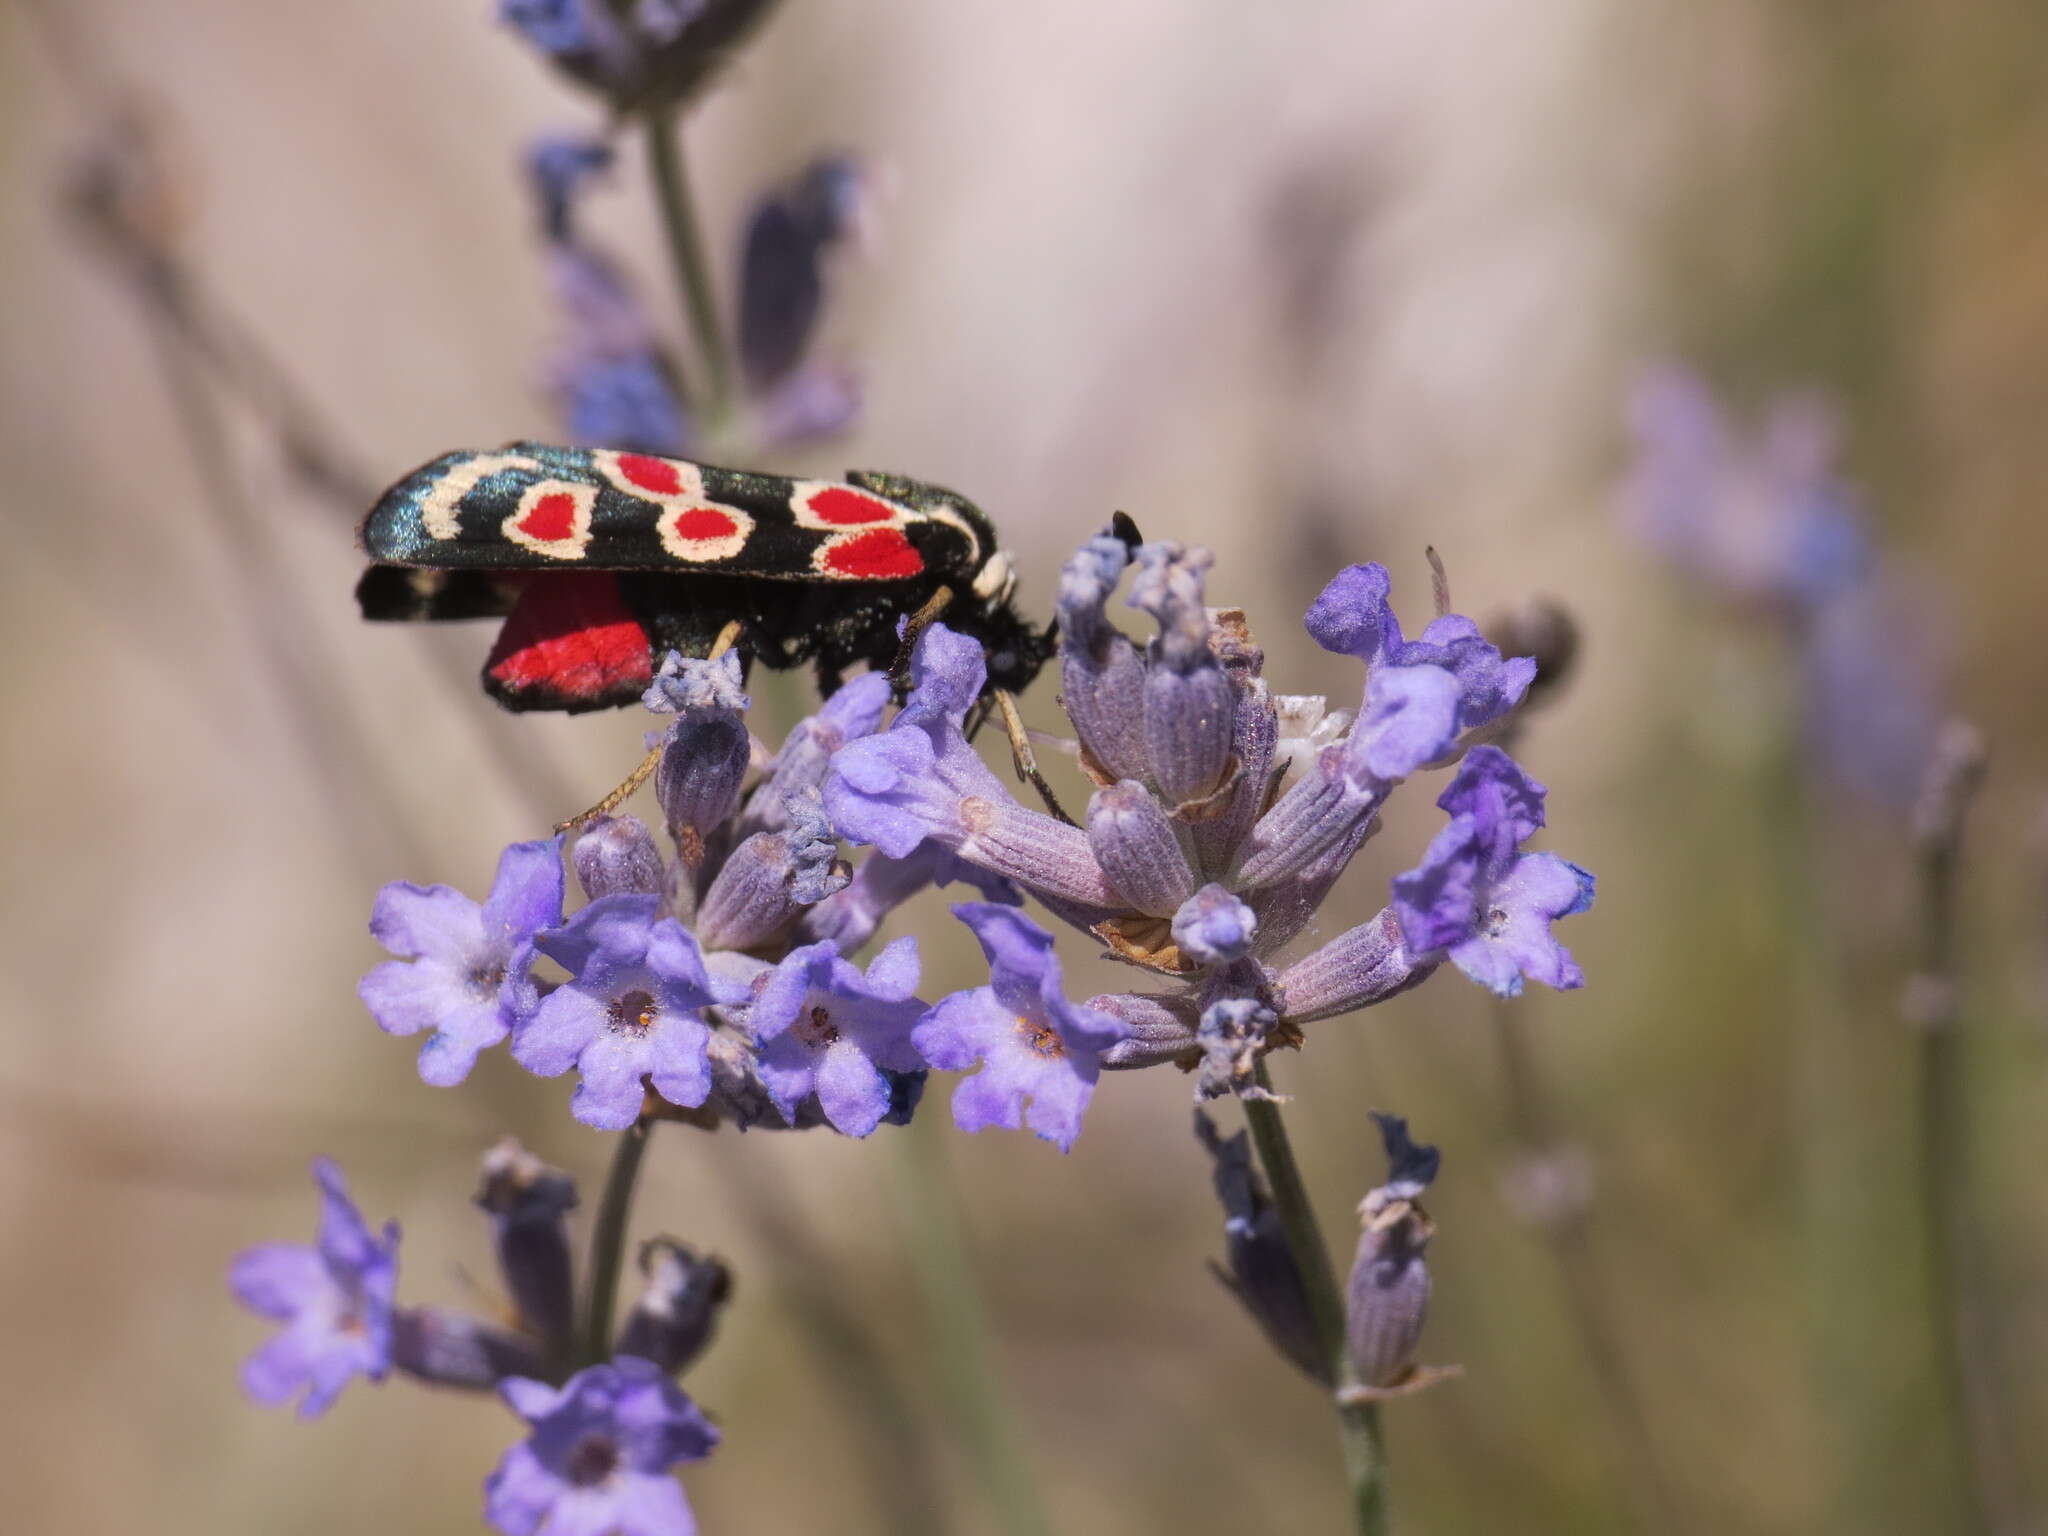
(822, 1027)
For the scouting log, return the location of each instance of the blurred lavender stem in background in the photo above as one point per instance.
(1365, 1453)
(680, 225)
(608, 1240)
(945, 1272)
(1965, 1339)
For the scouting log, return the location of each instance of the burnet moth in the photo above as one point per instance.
(602, 562)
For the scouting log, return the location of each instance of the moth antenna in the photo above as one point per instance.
(1025, 759)
(1439, 580)
(1125, 527)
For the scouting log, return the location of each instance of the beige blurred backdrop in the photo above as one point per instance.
(1318, 282)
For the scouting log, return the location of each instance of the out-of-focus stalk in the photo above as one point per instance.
(1365, 1452)
(1932, 1006)
(608, 1240)
(680, 225)
(938, 1252)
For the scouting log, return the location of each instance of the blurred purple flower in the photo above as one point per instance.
(334, 1299)
(466, 975)
(782, 280)
(1766, 521)
(599, 1458)
(1032, 1044)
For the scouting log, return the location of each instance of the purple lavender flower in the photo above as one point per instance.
(632, 1008)
(1475, 898)
(1031, 1042)
(599, 1457)
(782, 280)
(822, 1027)
(334, 1298)
(466, 972)
(1765, 521)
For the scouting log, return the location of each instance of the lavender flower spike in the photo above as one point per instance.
(469, 978)
(1031, 1042)
(598, 1460)
(1478, 900)
(824, 1028)
(334, 1298)
(632, 1008)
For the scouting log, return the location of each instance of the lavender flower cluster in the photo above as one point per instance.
(602, 1440)
(709, 974)
(718, 971)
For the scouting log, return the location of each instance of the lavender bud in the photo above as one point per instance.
(1233, 1031)
(529, 1203)
(1319, 813)
(1190, 706)
(618, 853)
(1162, 1028)
(1102, 676)
(704, 760)
(453, 1349)
(770, 878)
(1360, 967)
(678, 1311)
(1256, 737)
(1213, 927)
(1387, 1297)
(1259, 1268)
(1134, 842)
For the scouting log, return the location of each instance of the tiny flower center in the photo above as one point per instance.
(1496, 922)
(485, 979)
(816, 1029)
(634, 1013)
(591, 1460)
(1042, 1038)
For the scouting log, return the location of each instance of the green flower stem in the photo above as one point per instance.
(692, 272)
(1957, 1312)
(945, 1273)
(608, 1240)
(1365, 1452)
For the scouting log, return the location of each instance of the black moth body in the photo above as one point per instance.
(601, 562)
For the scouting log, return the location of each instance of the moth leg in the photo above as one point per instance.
(728, 637)
(919, 622)
(1022, 755)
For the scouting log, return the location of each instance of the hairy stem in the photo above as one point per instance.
(1365, 1452)
(608, 1240)
(686, 256)
(938, 1252)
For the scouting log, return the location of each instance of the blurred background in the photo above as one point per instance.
(1329, 282)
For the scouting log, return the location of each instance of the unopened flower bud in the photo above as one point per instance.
(678, 1311)
(1360, 967)
(1102, 676)
(704, 760)
(1233, 1033)
(618, 853)
(771, 877)
(529, 1203)
(1190, 705)
(1134, 842)
(1387, 1298)
(1259, 1268)
(453, 1349)
(1213, 927)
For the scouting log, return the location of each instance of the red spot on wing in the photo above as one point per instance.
(657, 476)
(880, 554)
(704, 523)
(551, 517)
(845, 507)
(570, 643)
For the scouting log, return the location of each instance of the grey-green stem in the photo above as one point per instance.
(681, 227)
(608, 1241)
(1365, 1452)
